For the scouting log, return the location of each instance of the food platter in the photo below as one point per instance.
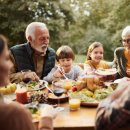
(35, 110)
(33, 85)
(90, 104)
(89, 98)
(9, 97)
(54, 99)
(63, 82)
(106, 72)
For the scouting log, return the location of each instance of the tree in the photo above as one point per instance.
(16, 15)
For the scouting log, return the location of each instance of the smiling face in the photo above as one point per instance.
(40, 41)
(66, 63)
(126, 41)
(97, 54)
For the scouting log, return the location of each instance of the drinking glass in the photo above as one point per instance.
(26, 80)
(74, 104)
(58, 92)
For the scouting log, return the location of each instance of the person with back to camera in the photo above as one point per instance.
(14, 116)
(34, 59)
(113, 113)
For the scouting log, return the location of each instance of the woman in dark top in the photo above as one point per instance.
(14, 116)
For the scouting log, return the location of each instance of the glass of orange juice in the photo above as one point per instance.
(67, 85)
(74, 104)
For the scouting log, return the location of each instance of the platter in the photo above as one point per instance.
(33, 85)
(9, 97)
(106, 72)
(35, 110)
(54, 99)
(118, 80)
(89, 98)
(63, 82)
(90, 104)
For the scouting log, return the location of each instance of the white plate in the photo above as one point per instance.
(41, 82)
(89, 104)
(117, 80)
(106, 72)
(9, 97)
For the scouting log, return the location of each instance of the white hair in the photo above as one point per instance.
(126, 31)
(30, 30)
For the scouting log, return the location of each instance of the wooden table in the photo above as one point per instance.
(83, 119)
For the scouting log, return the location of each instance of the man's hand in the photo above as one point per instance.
(30, 75)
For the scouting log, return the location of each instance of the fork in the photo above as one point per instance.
(63, 73)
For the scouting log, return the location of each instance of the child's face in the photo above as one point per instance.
(66, 63)
(97, 54)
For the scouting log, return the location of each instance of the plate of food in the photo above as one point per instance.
(89, 98)
(90, 104)
(86, 98)
(63, 82)
(55, 99)
(35, 109)
(33, 85)
(37, 96)
(106, 72)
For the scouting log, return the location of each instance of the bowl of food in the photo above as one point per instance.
(33, 85)
(107, 74)
(65, 83)
(55, 99)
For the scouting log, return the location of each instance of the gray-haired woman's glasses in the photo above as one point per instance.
(125, 41)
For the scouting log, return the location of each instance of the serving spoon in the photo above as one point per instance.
(48, 88)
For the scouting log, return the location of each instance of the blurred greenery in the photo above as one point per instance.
(76, 23)
(80, 58)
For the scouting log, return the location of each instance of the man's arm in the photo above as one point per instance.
(14, 75)
(19, 76)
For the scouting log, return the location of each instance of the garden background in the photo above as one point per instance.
(76, 23)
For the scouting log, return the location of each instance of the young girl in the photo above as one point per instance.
(65, 68)
(95, 58)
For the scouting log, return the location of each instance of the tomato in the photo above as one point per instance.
(74, 89)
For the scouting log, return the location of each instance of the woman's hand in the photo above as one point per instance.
(128, 72)
(48, 111)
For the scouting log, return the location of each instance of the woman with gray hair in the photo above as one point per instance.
(122, 55)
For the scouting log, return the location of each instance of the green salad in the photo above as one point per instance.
(87, 96)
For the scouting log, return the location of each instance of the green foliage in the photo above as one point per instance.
(80, 58)
(15, 15)
(95, 34)
(76, 23)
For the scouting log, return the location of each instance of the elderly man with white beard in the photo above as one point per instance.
(32, 60)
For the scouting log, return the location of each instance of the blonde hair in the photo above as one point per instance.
(92, 47)
(64, 52)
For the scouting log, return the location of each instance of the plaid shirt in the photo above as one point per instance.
(114, 114)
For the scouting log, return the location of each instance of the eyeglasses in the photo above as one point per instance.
(125, 41)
